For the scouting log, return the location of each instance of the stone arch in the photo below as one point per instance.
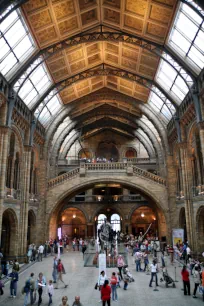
(56, 196)
(200, 228)
(31, 233)
(84, 153)
(9, 233)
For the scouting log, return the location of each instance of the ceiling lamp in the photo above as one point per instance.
(154, 218)
(74, 215)
(142, 215)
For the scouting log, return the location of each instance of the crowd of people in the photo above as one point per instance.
(141, 249)
(97, 160)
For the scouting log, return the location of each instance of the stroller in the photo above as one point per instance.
(168, 280)
(126, 271)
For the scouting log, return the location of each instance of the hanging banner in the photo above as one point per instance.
(177, 235)
(102, 263)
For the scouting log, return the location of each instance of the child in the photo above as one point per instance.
(119, 279)
(50, 290)
(6, 268)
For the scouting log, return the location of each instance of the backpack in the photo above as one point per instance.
(16, 267)
(27, 286)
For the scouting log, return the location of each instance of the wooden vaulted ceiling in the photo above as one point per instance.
(51, 21)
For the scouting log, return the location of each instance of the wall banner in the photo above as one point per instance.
(177, 235)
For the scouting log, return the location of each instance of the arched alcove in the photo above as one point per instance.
(72, 222)
(143, 218)
(200, 228)
(9, 233)
(131, 153)
(31, 233)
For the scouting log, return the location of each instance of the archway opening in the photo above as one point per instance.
(31, 233)
(131, 153)
(144, 219)
(182, 222)
(72, 222)
(200, 227)
(9, 233)
(107, 151)
(128, 200)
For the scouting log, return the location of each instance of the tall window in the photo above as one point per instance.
(16, 176)
(115, 221)
(10, 161)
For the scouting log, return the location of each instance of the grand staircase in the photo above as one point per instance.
(88, 169)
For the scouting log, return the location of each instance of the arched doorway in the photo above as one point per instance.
(9, 233)
(31, 233)
(200, 228)
(142, 219)
(182, 221)
(84, 154)
(72, 223)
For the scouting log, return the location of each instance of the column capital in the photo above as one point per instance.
(4, 129)
(28, 148)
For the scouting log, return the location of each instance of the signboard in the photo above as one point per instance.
(177, 235)
(102, 263)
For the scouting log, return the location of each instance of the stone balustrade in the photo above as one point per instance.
(102, 167)
(62, 178)
(149, 175)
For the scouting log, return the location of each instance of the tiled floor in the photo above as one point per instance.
(82, 280)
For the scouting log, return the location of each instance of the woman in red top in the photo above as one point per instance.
(106, 293)
(186, 281)
(60, 270)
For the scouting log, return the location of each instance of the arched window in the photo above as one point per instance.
(101, 218)
(10, 161)
(115, 221)
(16, 177)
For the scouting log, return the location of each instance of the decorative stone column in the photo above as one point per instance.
(171, 186)
(25, 184)
(4, 140)
(187, 186)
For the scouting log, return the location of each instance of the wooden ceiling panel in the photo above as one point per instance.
(54, 20)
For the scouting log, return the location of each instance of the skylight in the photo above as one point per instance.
(187, 37)
(16, 44)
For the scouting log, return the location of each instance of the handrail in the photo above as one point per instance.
(104, 167)
(149, 175)
(62, 178)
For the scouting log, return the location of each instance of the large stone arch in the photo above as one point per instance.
(31, 234)
(156, 192)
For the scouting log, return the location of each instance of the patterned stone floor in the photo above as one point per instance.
(81, 282)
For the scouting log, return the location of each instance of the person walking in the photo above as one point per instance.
(138, 256)
(106, 293)
(50, 291)
(101, 281)
(154, 270)
(197, 280)
(40, 283)
(40, 251)
(186, 281)
(202, 283)
(64, 301)
(54, 271)
(60, 271)
(113, 282)
(13, 284)
(120, 264)
(29, 289)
